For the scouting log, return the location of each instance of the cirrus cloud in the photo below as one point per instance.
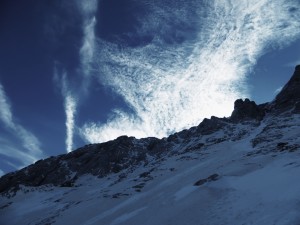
(30, 150)
(170, 87)
(87, 8)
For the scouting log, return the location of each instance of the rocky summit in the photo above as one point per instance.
(243, 169)
(289, 97)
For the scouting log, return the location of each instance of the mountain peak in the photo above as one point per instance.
(289, 96)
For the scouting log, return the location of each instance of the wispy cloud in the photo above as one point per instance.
(87, 49)
(5, 109)
(173, 86)
(87, 8)
(29, 141)
(70, 108)
(70, 105)
(12, 151)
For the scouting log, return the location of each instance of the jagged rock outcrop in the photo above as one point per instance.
(245, 110)
(208, 126)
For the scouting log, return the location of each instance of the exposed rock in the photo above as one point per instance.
(49, 171)
(246, 110)
(208, 126)
(212, 177)
(297, 108)
(282, 145)
(97, 159)
(290, 93)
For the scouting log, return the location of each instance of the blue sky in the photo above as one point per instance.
(75, 72)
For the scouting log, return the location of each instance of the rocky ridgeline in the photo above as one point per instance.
(289, 97)
(128, 152)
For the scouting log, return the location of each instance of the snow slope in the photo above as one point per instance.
(246, 173)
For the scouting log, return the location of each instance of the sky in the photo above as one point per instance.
(74, 72)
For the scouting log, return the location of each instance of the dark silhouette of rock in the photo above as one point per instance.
(208, 126)
(212, 177)
(289, 97)
(96, 159)
(246, 110)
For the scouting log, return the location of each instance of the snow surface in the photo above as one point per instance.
(257, 185)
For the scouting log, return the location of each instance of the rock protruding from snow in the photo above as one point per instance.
(289, 97)
(213, 177)
(246, 110)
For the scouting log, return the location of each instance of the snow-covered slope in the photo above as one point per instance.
(238, 170)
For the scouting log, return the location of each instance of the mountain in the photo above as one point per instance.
(243, 169)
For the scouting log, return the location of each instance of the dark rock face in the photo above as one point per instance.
(246, 110)
(289, 97)
(208, 126)
(96, 159)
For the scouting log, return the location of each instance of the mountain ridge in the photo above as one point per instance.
(242, 169)
(55, 172)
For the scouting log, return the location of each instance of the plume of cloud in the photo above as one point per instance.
(29, 141)
(70, 109)
(70, 106)
(87, 8)
(87, 49)
(170, 87)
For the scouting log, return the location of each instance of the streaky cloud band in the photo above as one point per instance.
(31, 145)
(70, 105)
